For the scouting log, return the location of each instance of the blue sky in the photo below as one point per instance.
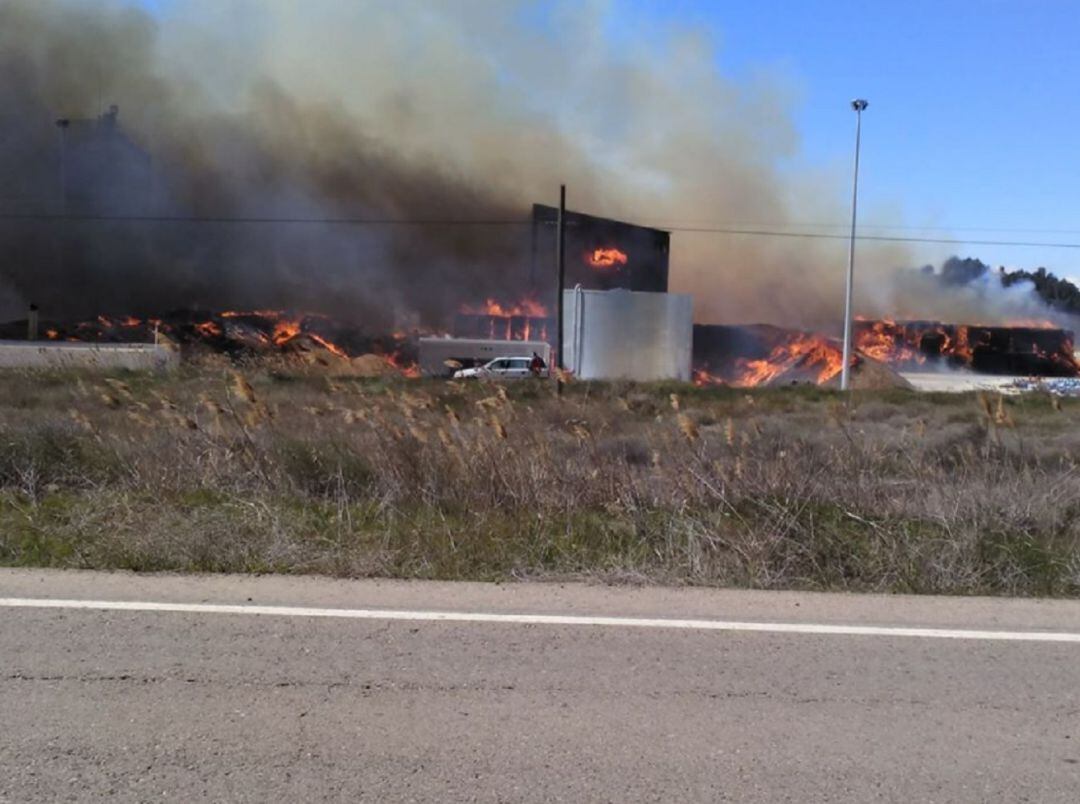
(974, 121)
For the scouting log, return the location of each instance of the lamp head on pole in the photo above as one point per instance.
(859, 104)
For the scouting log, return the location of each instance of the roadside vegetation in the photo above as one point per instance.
(214, 470)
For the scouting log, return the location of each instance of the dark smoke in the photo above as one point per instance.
(69, 243)
(410, 110)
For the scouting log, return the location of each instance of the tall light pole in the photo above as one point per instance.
(560, 268)
(858, 105)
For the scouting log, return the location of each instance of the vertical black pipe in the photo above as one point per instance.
(60, 231)
(537, 220)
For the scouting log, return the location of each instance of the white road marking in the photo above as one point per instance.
(544, 619)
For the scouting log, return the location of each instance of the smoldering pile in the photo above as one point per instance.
(269, 337)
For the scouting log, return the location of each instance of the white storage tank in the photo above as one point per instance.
(627, 335)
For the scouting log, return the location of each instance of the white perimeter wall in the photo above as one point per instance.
(105, 356)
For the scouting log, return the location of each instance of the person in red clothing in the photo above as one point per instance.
(537, 365)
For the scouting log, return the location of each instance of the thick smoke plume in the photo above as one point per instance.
(412, 110)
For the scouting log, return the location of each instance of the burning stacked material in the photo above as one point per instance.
(747, 356)
(1027, 349)
(300, 337)
(527, 320)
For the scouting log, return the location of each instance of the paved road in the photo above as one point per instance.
(201, 705)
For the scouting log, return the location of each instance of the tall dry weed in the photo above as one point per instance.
(788, 492)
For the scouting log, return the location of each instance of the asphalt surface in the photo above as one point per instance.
(196, 706)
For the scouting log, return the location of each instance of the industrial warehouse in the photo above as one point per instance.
(620, 320)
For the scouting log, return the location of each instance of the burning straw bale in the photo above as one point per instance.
(219, 469)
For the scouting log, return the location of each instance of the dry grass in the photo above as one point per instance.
(213, 470)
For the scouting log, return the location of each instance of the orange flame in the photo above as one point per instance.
(884, 340)
(812, 357)
(530, 308)
(286, 327)
(209, 329)
(524, 320)
(703, 378)
(285, 330)
(408, 370)
(330, 346)
(606, 258)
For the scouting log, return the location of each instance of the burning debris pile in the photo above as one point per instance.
(739, 356)
(747, 356)
(761, 354)
(305, 338)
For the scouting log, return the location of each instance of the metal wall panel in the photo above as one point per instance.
(622, 334)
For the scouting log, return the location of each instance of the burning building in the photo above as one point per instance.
(601, 254)
(637, 331)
